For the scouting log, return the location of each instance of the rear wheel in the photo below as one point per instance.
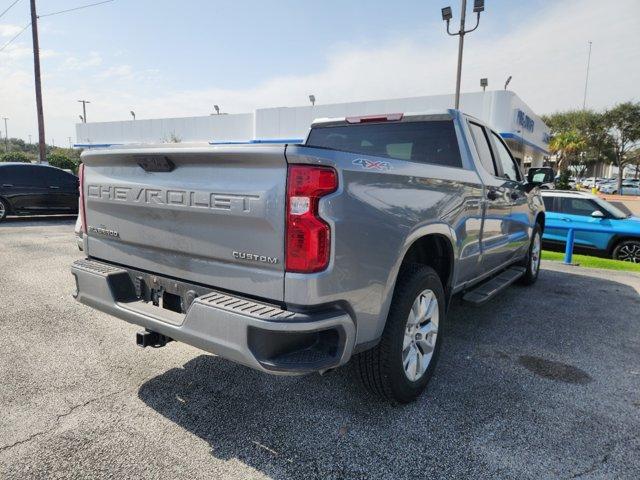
(4, 209)
(400, 366)
(532, 262)
(627, 251)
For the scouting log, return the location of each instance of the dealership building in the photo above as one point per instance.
(525, 133)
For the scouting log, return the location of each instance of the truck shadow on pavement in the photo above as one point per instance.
(524, 387)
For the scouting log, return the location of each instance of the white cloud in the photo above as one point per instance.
(8, 30)
(546, 55)
(74, 63)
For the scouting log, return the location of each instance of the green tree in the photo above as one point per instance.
(567, 147)
(15, 157)
(61, 160)
(593, 130)
(623, 123)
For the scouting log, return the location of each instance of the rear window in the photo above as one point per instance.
(432, 142)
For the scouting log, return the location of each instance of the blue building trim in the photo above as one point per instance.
(519, 138)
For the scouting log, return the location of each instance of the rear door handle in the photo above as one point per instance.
(54, 187)
(7, 184)
(567, 220)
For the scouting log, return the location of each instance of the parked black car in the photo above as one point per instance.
(31, 189)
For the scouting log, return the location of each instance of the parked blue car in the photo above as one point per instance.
(617, 233)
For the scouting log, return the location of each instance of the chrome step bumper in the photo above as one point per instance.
(259, 335)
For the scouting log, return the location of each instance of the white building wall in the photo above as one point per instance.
(497, 108)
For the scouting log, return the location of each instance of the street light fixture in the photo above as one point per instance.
(312, 99)
(506, 84)
(133, 114)
(484, 83)
(82, 119)
(447, 15)
(217, 109)
(84, 109)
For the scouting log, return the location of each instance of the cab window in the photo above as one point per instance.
(483, 148)
(510, 169)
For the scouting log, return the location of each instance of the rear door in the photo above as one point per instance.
(61, 189)
(494, 242)
(519, 220)
(210, 215)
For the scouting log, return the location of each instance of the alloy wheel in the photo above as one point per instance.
(420, 335)
(629, 253)
(535, 254)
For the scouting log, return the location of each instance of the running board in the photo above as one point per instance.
(489, 289)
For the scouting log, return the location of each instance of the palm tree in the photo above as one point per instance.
(566, 146)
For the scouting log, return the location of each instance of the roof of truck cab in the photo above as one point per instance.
(408, 116)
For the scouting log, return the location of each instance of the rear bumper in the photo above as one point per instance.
(255, 334)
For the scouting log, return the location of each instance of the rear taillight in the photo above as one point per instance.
(308, 236)
(81, 210)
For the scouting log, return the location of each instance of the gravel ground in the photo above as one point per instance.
(543, 382)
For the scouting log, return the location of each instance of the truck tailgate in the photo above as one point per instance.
(212, 215)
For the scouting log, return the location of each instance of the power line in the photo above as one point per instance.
(74, 9)
(8, 8)
(47, 15)
(16, 36)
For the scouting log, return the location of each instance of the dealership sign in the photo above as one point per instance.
(525, 121)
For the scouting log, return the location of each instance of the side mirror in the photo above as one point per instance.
(597, 214)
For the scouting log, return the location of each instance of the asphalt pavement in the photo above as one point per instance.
(543, 382)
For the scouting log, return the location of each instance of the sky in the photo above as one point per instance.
(167, 58)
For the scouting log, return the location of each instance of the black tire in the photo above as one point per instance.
(4, 209)
(627, 251)
(381, 369)
(532, 264)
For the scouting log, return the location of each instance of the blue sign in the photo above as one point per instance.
(525, 121)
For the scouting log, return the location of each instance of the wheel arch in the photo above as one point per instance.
(541, 219)
(617, 239)
(7, 203)
(436, 250)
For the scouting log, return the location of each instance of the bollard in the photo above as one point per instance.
(568, 251)
(594, 190)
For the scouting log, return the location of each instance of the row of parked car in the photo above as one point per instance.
(609, 186)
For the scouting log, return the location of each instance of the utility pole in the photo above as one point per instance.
(84, 110)
(478, 7)
(586, 81)
(6, 135)
(42, 147)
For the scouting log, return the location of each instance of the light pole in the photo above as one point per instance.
(506, 84)
(6, 135)
(312, 99)
(81, 118)
(478, 6)
(84, 110)
(586, 80)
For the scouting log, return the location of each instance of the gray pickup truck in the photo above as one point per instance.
(293, 258)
